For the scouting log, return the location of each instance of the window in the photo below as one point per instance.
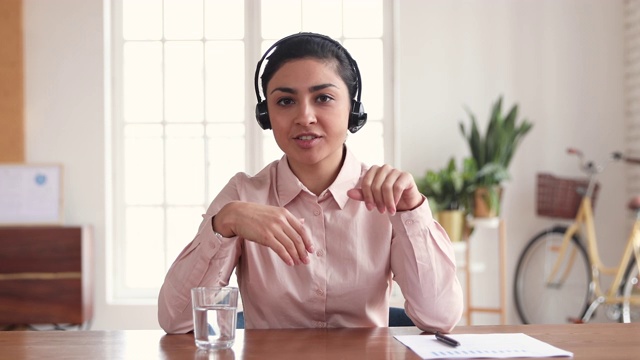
(183, 120)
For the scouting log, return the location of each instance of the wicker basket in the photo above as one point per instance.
(560, 197)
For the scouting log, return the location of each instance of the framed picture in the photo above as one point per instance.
(31, 194)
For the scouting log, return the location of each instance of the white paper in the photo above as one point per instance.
(474, 346)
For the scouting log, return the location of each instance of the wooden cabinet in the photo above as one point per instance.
(46, 275)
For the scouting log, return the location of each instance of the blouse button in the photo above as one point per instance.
(320, 253)
(320, 292)
(316, 212)
(409, 222)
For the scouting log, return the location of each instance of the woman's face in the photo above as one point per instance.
(309, 108)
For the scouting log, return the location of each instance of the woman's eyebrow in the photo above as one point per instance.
(313, 88)
(284, 89)
(320, 87)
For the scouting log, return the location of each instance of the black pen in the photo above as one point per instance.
(447, 340)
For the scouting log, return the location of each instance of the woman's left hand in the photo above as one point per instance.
(388, 189)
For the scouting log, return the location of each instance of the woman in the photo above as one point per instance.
(316, 237)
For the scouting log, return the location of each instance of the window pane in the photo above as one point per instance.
(362, 18)
(144, 250)
(185, 165)
(315, 16)
(280, 18)
(224, 19)
(185, 131)
(184, 87)
(143, 131)
(183, 19)
(143, 171)
(368, 143)
(182, 226)
(142, 83)
(226, 155)
(225, 81)
(142, 20)
(368, 54)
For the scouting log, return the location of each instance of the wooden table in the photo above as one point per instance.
(588, 341)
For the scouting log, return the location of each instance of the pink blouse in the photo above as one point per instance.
(349, 279)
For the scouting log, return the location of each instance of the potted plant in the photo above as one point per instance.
(492, 152)
(448, 192)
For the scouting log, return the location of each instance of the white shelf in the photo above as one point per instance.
(490, 222)
(497, 225)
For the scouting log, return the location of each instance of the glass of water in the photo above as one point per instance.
(214, 316)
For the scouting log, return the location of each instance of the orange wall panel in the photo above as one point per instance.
(11, 82)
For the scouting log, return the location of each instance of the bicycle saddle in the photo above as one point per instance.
(634, 203)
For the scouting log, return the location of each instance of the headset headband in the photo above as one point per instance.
(352, 62)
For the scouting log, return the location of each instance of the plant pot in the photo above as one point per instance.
(453, 223)
(486, 201)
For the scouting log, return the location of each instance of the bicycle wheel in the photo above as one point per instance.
(630, 287)
(545, 298)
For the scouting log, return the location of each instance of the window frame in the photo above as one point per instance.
(117, 292)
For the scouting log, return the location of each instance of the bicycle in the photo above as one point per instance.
(557, 278)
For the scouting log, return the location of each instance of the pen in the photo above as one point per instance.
(447, 340)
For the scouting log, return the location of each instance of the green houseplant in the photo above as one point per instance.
(448, 191)
(492, 152)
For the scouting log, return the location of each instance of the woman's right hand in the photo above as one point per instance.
(271, 226)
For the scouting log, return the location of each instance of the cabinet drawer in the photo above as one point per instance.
(41, 301)
(46, 275)
(47, 249)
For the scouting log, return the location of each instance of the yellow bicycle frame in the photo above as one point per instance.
(584, 219)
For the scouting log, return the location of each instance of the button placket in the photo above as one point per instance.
(316, 224)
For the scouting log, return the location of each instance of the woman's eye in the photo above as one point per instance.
(285, 101)
(324, 98)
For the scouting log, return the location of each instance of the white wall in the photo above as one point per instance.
(561, 60)
(65, 122)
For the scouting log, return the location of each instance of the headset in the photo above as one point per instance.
(357, 116)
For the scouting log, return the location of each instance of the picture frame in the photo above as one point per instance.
(31, 194)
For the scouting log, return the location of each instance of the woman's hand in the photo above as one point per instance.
(271, 226)
(388, 189)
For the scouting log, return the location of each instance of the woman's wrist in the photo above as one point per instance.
(220, 224)
(412, 205)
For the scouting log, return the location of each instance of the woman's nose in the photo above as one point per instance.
(306, 115)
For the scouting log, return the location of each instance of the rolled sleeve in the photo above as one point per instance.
(423, 263)
(207, 260)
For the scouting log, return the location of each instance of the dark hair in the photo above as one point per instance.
(316, 47)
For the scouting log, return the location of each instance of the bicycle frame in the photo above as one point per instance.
(584, 220)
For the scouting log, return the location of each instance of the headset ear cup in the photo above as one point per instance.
(262, 115)
(357, 117)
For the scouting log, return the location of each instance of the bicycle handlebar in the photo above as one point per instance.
(574, 151)
(592, 168)
(629, 160)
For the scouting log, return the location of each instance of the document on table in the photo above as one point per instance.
(481, 346)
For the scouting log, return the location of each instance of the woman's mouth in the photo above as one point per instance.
(306, 137)
(307, 141)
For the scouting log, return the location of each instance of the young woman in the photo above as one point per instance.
(317, 237)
